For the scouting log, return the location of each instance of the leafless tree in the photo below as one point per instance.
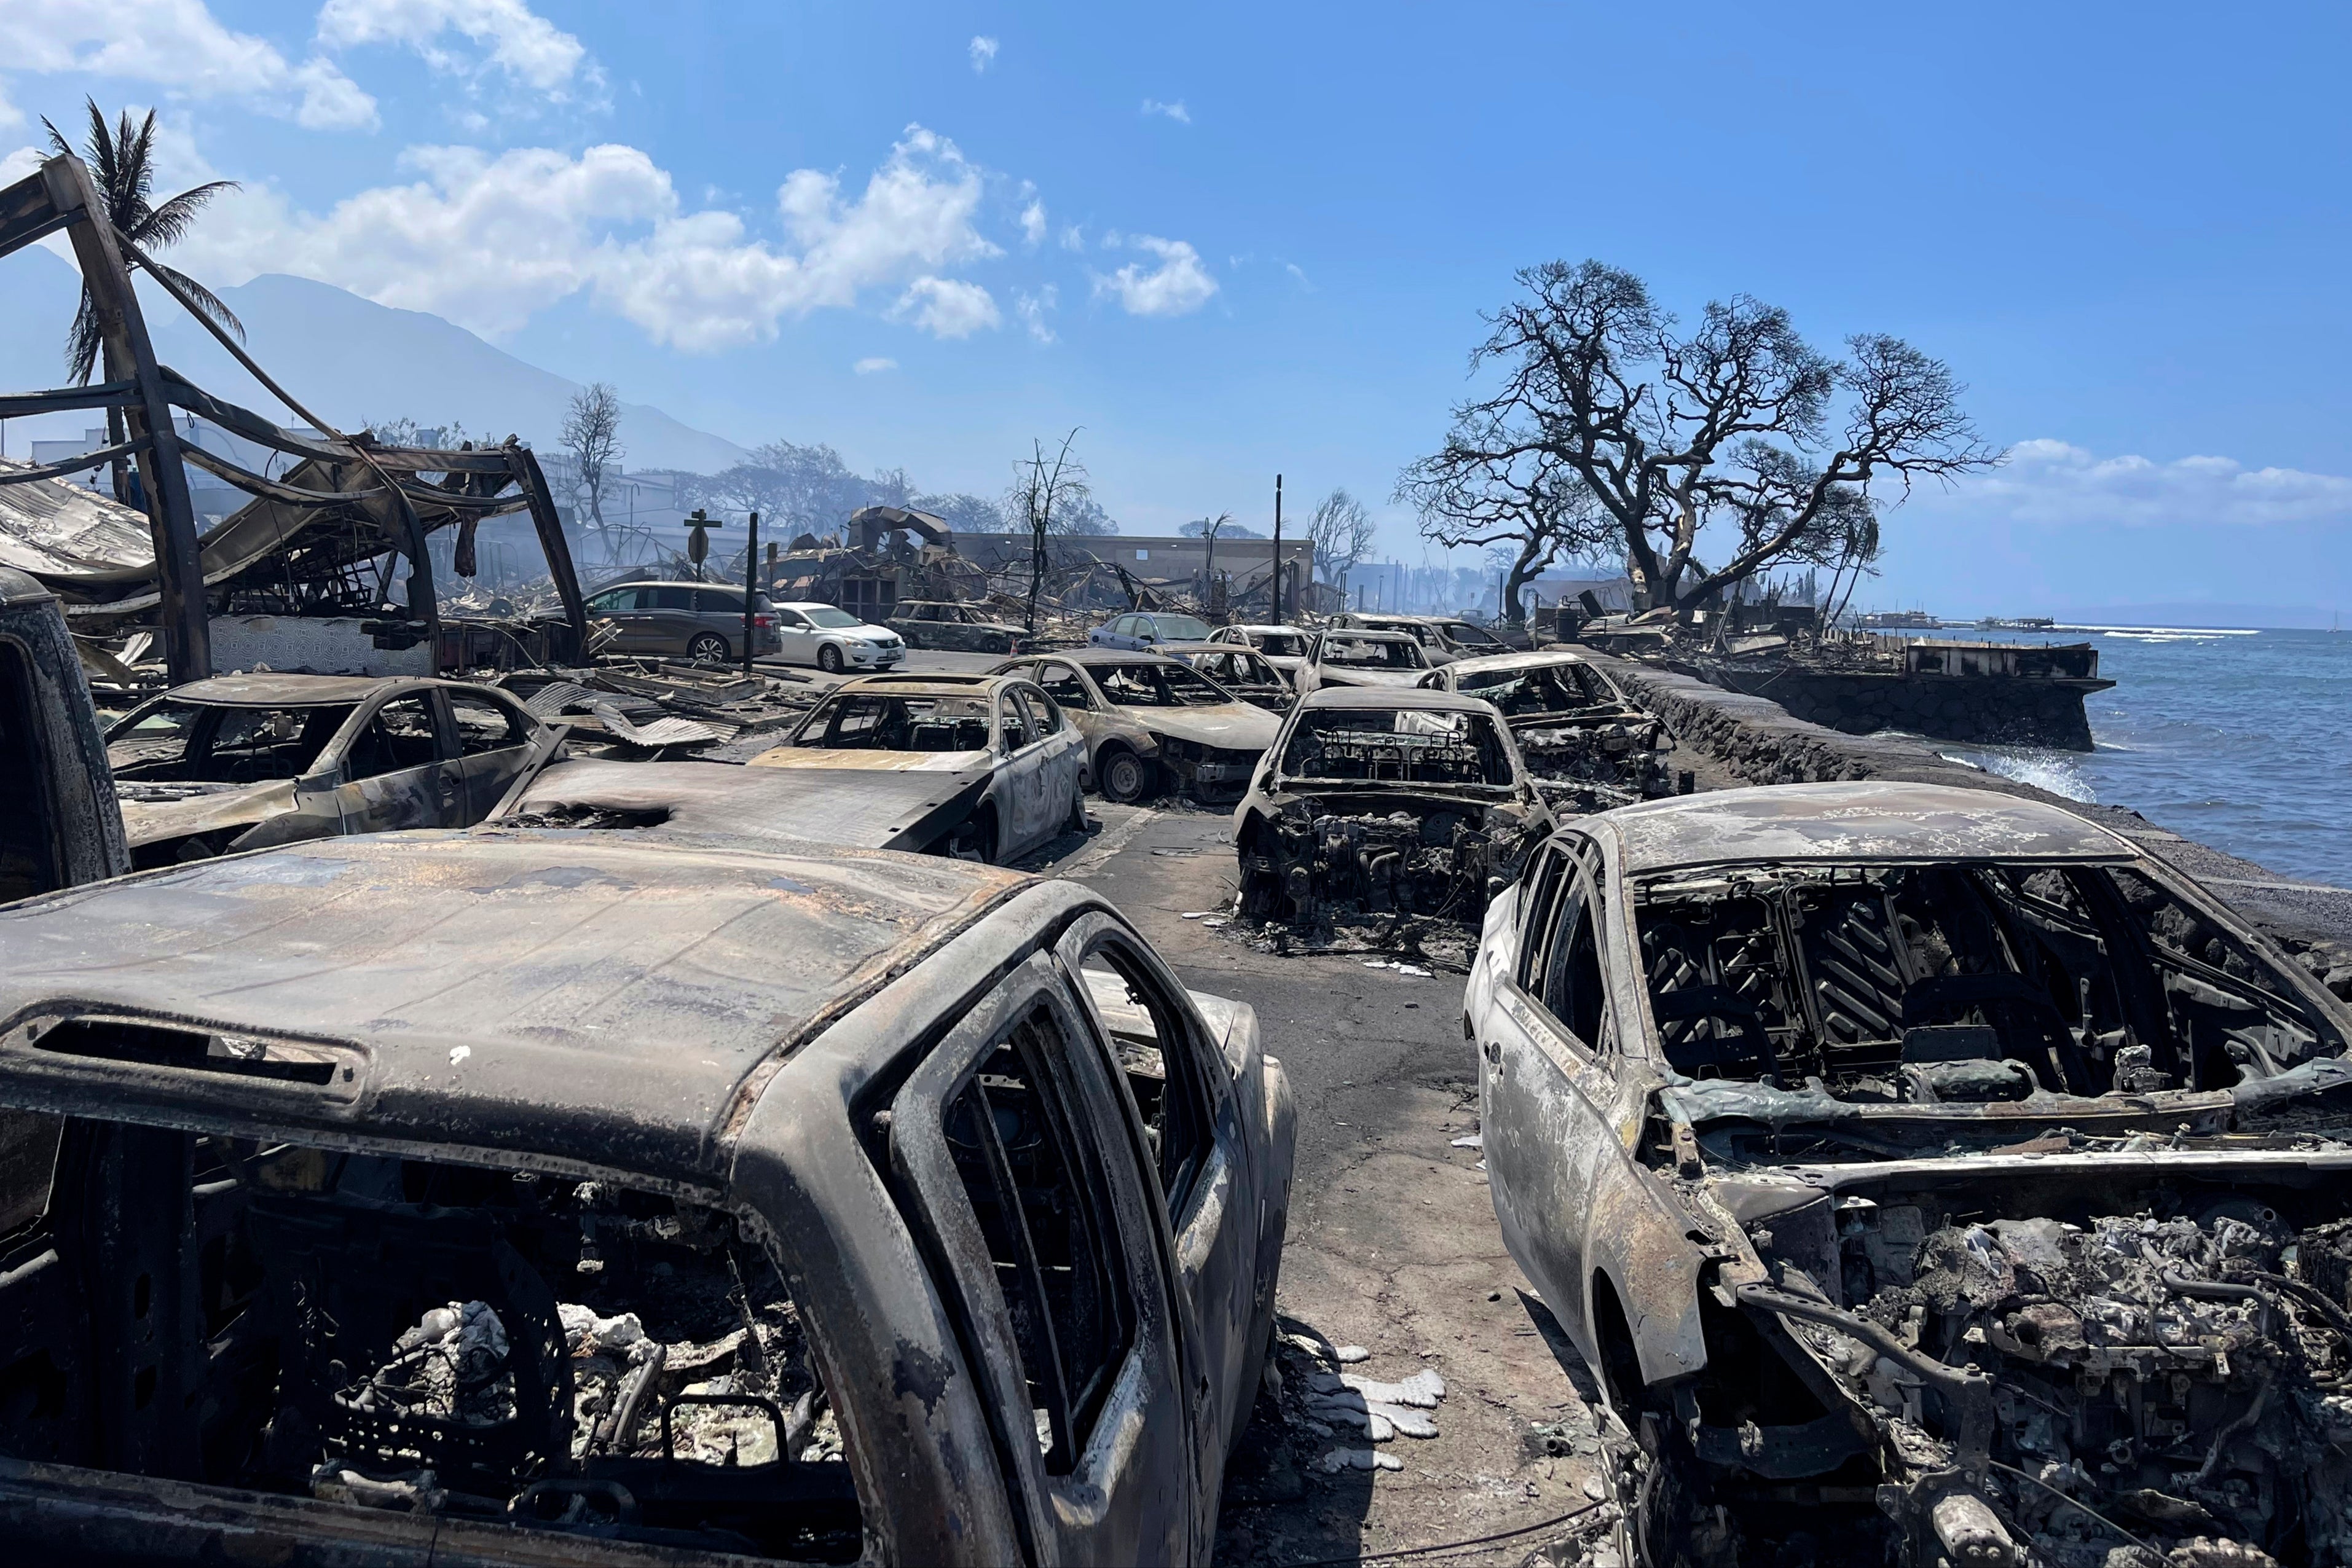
(1207, 531)
(1737, 427)
(1342, 532)
(1529, 512)
(591, 433)
(1044, 489)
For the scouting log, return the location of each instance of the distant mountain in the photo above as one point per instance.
(349, 359)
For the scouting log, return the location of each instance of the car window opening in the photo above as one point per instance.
(829, 618)
(1373, 653)
(875, 722)
(28, 826)
(1156, 685)
(1155, 1053)
(202, 743)
(1546, 689)
(1957, 984)
(1406, 745)
(386, 1333)
(1042, 1199)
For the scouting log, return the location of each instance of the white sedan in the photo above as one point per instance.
(833, 640)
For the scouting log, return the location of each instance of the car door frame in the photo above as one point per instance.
(1214, 1226)
(627, 628)
(1547, 1099)
(1103, 1509)
(1022, 813)
(482, 783)
(443, 789)
(1064, 753)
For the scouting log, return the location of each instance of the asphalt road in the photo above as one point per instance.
(1393, 1243)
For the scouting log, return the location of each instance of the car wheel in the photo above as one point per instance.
(1125, 777)
(828, 658)
(708, 648)
(976, 839)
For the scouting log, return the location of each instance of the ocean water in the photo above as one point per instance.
(2242, 740)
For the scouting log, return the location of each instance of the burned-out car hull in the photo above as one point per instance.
(1135, 751)
(1933, 1160)
(1575, 727)
(558, 1221)
(1436, 812)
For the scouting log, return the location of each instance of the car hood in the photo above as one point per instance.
(1227, 726)
(868, 759)
(154, 813)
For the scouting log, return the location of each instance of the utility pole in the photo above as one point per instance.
(1277, 546)
(751, 583)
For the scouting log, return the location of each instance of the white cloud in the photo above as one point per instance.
(1033, 217)
(486, 240)
(1299, 273)
(180, 46)
(1073, 238)
(2056, 484)
(946, 307)
(522, 43)
(983, 53)
(1175, 112)
(1178, 285)
(1032, 310)
(10, 115)
(874, 366)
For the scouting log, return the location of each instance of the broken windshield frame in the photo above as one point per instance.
(1986, 990)
(211, 743)
(1147, 684)
(878, 721)
(1447, 747)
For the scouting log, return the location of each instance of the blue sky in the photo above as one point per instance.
(1231, 240)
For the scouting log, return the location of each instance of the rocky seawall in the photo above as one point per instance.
(1758, 741)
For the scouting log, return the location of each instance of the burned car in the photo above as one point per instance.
(498, 1198)
(1245, 671)
(241, 762)
(1151, 724)
(1361, 659)
(1379, 804)
(1932, 1177)
(984, 766)
(1572, 722)
(1444, 638)
(952, 627)
(1284, 647)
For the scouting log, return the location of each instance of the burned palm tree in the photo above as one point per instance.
(120, 160)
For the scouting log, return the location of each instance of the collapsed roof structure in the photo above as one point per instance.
(322, 539)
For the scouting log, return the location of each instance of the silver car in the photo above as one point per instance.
(1152, 723)
(1145, 630)
(240, 762)
(1350, 658)
(980, 767)
(698, 621)
(1933, 1156)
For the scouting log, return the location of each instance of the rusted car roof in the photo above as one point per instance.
(570, 994)
(1855, 822)
(1394, 696)
(273, 690)
(1485, 662)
